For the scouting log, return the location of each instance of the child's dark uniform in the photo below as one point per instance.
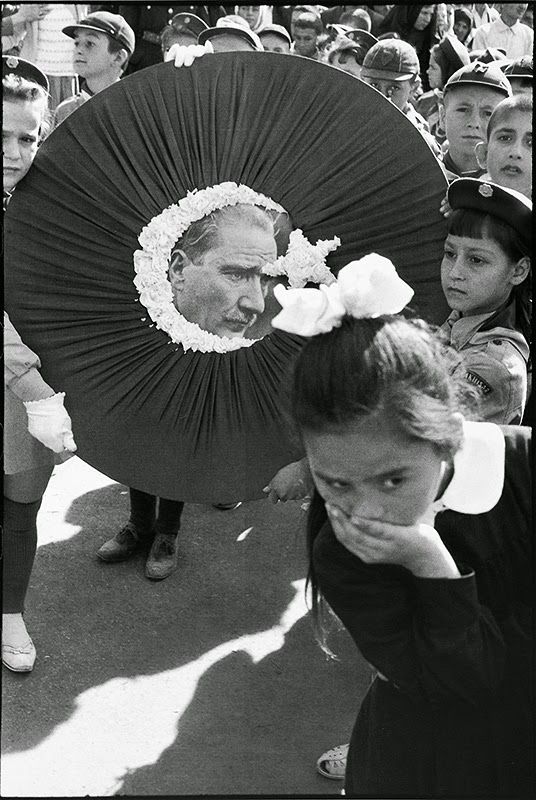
(455, 715)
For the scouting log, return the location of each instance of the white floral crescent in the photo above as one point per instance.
(302, 263)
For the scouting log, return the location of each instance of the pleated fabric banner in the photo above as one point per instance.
(343, 161)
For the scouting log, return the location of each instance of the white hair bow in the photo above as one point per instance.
(369, 287)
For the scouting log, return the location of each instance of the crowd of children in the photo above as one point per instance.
(416, 439)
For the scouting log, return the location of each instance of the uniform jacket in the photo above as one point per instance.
(495, 355)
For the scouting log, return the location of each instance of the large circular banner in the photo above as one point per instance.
(161, 399)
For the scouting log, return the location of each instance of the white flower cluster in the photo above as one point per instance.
(304, 262)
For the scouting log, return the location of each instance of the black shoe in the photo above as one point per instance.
(163, 557)
(226, 506)
(123, 545)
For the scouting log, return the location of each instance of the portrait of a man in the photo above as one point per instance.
(216, 270)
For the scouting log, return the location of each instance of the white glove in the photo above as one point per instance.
(184, 55)
(49, 422)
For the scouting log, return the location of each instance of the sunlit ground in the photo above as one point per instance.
(207, 683)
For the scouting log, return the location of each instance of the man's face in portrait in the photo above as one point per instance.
(224, 291)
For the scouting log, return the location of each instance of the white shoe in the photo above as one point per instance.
(332, 763)
(19, 659)
(18, 651)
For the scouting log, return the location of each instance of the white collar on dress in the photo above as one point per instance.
(477, 483)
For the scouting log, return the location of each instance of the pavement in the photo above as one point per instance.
(207, 683)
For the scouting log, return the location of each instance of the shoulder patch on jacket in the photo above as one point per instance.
(475, 379)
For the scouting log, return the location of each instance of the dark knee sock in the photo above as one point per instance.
(169, 516)
(142, 510)
(19, 546)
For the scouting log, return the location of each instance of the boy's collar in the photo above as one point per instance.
(477, 483)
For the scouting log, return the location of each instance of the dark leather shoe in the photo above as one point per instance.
(227, 506)
(122, 545)
(163, 557)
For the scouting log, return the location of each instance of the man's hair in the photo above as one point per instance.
(519, 102)
(203, 233)
(308, 21)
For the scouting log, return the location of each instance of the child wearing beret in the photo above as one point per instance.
(485, 277)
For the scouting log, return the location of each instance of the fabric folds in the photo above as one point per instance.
(203, 427)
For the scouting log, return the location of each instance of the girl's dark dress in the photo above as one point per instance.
(455, 717)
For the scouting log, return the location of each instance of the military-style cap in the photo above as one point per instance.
(114, 25)
(497, 201)
(480, 74)
(518, 68)
(362, 38)
(242, 33)
(392, 60)
(189, 23)
(278, 30)
(13, 65)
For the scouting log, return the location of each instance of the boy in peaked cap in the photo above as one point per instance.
(275, 39)
(485, 275)
(392, 67)
(183, 29)
(469, 98)
(103, 44)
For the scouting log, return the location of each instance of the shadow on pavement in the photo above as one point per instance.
(140, 678)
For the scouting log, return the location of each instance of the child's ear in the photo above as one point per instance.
(481, 153)
(120, 58)
(521, 270)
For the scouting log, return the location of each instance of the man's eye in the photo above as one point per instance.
(338, 486)
(504, 137)
(476, 260)
(393, 482)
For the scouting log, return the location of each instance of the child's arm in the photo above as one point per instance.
(429, 636)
